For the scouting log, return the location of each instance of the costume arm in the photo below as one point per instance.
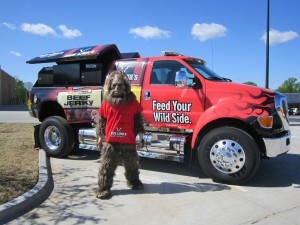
(139, 129)
(139, 124)
(100, 126)
(100, 130)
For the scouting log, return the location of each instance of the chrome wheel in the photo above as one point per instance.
(227, 156)
(56, 136)
(52, 138)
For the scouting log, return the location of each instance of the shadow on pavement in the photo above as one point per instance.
(165, 188)
(157, 165)
(282, 171)
(84, 155)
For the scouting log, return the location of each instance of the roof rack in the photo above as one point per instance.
(171, 53)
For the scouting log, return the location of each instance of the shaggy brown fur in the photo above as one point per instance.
(123, 96)
(112, 153)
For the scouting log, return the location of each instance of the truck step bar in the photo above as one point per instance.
(156, 145)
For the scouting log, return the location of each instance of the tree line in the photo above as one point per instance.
(21, 92)
(289, 86)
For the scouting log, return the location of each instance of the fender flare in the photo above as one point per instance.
(224, 110)
(207, 117)
(51, 103)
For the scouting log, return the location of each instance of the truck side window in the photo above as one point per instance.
(154, 79)
(164, 72)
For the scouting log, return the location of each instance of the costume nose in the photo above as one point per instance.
(118, 86)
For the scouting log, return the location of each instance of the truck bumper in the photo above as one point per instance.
(277, 146)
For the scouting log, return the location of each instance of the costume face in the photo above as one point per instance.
(118, 87)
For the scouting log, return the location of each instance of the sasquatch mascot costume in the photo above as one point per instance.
(120, 121)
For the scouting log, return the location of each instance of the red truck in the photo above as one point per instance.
(190, 112)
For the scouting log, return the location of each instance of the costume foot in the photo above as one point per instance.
(137, 185)
(104, 194)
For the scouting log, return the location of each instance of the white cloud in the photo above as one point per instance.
(9, 25)
(149, 32)
(204, 31)
(17, 54)
(69, 33)
(277, 37)
(39, 29)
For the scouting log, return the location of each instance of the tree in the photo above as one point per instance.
(21, 93)
(250, 83)
(290, 86)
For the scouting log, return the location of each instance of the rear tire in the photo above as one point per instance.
(229, 155)
(56, 137)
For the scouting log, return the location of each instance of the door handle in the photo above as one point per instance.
(147, 95)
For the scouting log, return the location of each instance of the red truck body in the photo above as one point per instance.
(190, 112)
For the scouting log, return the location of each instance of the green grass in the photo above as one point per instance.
(18, 160)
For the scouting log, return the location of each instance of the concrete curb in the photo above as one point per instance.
(33, 198)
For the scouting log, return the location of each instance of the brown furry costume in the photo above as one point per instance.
(118, 93)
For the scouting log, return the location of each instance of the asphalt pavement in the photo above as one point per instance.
(173, 194)
(15, 114)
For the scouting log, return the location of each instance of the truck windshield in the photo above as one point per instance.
(204, 70)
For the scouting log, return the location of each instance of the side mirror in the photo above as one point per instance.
(186, 79)
(180, 78)
(190, 83)
(190, 76)
(190, 80)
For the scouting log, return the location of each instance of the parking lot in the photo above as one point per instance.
(173, 194)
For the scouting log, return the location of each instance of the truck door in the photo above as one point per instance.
(165, 104)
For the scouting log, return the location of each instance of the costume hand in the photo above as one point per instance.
(141, 143)
(100, 143)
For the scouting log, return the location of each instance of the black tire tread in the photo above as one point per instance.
(68, 146)
(245, 140)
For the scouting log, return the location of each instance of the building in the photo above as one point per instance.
(7, 89)
(293, 99)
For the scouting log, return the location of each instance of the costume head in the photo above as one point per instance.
(118, 88)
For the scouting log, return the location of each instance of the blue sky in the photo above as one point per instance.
(227, 34)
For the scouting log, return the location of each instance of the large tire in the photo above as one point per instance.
(56, 137)
(229, 155)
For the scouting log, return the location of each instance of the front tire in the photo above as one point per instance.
(56, 136)
(229, 155)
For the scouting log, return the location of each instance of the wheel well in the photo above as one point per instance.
(51, 109)
(233, 123)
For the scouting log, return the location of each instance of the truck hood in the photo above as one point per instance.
(237, 87)
(228, 99)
